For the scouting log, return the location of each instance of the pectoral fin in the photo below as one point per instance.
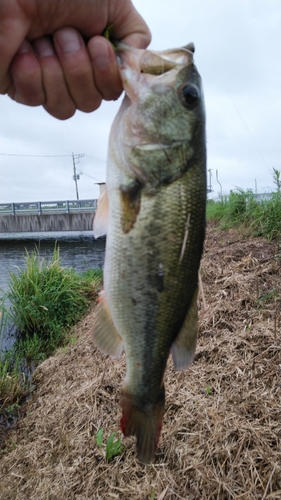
(106, 338)
(130, 202)
(183, 349)
(101, 216)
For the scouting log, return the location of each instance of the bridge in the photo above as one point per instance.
(66, 215)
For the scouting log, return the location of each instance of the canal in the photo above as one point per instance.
(77, 249)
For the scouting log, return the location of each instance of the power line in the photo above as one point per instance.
(88, 175)
(96, 158)
(50, 156)
(34, 156)
(247, 128)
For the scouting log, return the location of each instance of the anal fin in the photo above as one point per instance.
(106, 338)
(183, 349)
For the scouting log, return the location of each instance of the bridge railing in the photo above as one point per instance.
(48, 207)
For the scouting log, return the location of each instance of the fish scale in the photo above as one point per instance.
(156, 192)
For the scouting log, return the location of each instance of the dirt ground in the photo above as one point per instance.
(221, 436)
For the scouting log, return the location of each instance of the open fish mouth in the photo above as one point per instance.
(154, 63)
(138, 66)
(141, 68)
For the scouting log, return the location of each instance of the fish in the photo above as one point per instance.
(153, 214)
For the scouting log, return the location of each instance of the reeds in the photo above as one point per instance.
(241, 208)
(47, 298)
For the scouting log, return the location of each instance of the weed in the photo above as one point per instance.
(268, 296)
(113, 447)
(99, 437)
(12, 408)
(12, 384)
(47, 300)
(4, 319)
(241, 208)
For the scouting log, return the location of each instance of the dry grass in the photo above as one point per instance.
(221, 434)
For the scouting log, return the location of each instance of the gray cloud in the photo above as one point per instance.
(238, 53)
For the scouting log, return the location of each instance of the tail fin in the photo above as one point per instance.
(145, 425)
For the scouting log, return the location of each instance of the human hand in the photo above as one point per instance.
(45, 59)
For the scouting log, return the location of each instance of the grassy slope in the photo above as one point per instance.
(222, 426)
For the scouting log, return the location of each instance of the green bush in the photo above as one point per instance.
(266, 219)
(240, 208)
(47, 299)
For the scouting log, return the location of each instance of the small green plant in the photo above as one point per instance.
(113, 447)
(268, 296)
(208, 390)
(12, 408)
(12, 384)
(99, 437)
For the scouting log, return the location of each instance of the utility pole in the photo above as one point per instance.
(75, 159)
(209, 188)
(217, 177)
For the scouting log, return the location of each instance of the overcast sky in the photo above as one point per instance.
(238, 54)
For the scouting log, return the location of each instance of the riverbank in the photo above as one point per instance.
(222, 425)
(46, 300)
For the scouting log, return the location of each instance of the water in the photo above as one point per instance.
(77, 249)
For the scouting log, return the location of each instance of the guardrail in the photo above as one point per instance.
(48, 207)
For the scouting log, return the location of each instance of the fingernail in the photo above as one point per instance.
(44, 47)
(68, 40)
(25, 47)
(100, 57)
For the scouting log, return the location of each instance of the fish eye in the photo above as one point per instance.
(190, 95)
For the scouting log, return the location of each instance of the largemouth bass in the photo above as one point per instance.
(153, 211)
